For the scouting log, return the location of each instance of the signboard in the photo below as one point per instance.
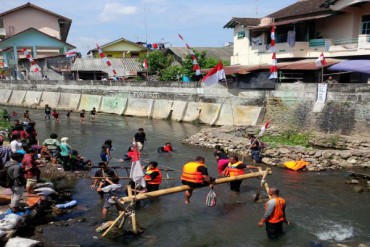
(322, 89)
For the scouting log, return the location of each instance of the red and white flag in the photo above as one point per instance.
(71, 54)
(320, 62)
(145, 64)
(273, 68)
(214, 75)
(102, 55)
(264, 127)
(35, 67)
(136, 172)
(196, 66)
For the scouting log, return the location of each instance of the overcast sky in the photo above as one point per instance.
(200, 22)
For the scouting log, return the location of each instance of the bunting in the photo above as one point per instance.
(273, 68)
(33, 63)
(102, 55)
(196, 66)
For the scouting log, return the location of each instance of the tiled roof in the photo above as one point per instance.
(223, 53)
(123, 67)
(242, 21)
(300, 8)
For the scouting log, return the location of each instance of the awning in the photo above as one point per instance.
(361, 66)
(304, 64)
(291, 21)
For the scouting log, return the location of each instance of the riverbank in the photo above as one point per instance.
(323, 151)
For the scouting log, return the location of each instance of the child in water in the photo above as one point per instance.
(167, 148)
(69, 114)
(55, 114)
(82, 116)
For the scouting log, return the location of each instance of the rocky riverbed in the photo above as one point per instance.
(325, 152)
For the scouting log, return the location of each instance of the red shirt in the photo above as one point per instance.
(55, 114)
(30, 166)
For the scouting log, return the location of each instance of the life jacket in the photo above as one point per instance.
(232, 171)
(156, 180)
(167, 149)
(190, 173)
(278, 214)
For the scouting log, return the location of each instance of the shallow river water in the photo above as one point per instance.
(320, 206)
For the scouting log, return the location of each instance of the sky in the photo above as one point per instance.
(200, 22)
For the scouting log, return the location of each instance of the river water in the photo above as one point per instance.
(320, 206)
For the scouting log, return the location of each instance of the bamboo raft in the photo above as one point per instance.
(128, 212)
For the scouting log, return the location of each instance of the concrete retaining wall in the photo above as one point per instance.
(69, 101)
(51, 99)
(209, 113)
(178, 110)
(17, 97)
(115, 105)
(5, 96)
(192, 112)
(161, 109)
(138, 107)
(32, 99)
(87, 102)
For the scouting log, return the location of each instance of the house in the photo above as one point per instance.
(219, 53)
(42, 32)
(338, 28)
(120, 48)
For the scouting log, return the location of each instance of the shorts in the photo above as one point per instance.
(31, 182)
(107, 204)
(104, 157)
(139, 145)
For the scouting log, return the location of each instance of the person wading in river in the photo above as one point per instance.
(274, 216)
(153, 176)
(100, 174)
(109, 187)
(140, 138)
(195, 175)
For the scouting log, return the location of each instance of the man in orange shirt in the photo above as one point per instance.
(274, 216)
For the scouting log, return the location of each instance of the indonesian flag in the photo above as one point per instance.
(214, 75)
(145, 64)
(34, 66)
(320, 62)
(136, 172)
(71, 54)
(264, 127)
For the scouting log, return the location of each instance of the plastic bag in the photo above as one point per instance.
(211, 199)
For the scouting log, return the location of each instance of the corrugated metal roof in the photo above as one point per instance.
(223, 53)
(242, 21)
(123, 67)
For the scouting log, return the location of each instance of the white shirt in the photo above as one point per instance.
(15, 146)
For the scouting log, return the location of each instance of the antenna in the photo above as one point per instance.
(146, 29)
(256, 8)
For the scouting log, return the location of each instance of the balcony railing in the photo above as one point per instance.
(317, 42)
(345, 41)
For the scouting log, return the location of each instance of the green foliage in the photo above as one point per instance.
(157, 61)
(3, 124)
(172, 73)
(291, 137)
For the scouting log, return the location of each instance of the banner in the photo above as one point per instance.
(321, 92)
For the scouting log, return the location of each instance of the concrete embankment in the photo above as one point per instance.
(346, 110)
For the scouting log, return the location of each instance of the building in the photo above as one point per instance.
(42, 32)
(120, 48)
(338, 28)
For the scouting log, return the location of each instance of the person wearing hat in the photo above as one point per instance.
(65, 153)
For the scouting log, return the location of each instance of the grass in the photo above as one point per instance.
(3, 124)
(289, 137)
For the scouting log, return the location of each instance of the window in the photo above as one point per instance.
(240, 34)
(365, 26)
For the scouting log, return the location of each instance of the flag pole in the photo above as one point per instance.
(231, 105)
(322, 74)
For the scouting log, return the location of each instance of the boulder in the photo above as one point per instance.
(283, 151)
(358, 189)
(345, 164)
(318, 154)
(267, 161)
(327, 154)
(352, 160)
(270, 152)
(345, 154)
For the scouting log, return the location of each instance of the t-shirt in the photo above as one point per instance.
(51, 144)
(112, 190)
(15, 146)
(47, 110)
(65, 149)
(104, 148)
(93, 112)
(256, 143)
(55, 114)
(140, 137)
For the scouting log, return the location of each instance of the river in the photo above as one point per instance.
(320, 206)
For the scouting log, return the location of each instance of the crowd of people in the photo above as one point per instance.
(27, 154)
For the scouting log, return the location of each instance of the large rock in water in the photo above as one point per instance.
(284, 151)
(358, 189)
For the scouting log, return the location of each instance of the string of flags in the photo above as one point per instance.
(32, 62)
(273, 68)
(196, 66)
(155, 46)
(102, 55)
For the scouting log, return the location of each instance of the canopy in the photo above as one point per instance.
(362, 66)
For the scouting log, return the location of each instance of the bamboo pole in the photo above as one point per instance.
(177, 189)
(122, 214)
(128, 167)
(128, 178)
(133, 215)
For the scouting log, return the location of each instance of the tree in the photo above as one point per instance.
(157, 62)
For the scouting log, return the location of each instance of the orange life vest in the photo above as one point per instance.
(232, 171)
(190, 173)
(278, 214)
(156, 180)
